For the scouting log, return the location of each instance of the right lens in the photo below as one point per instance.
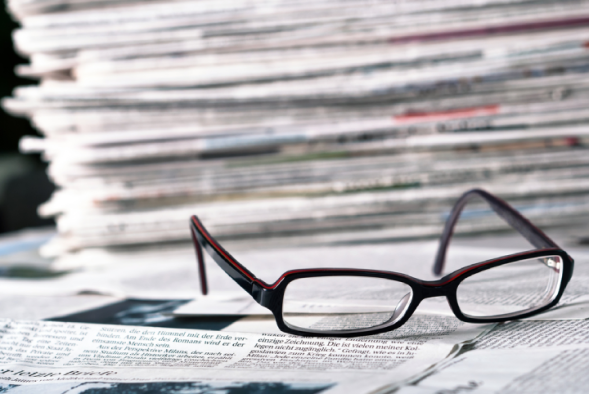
(511, 289)
(340, 303)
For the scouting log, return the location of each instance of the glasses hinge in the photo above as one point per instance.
(261, 295)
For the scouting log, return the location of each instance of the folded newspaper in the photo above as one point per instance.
(56, 357)
(127, 347)
(125, 328)
(299, 121)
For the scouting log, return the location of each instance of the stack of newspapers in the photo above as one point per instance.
(302, 122)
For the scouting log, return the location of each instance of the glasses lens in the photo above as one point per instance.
(511, 289)
(340, 303)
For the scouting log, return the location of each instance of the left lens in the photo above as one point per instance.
(343, 303)
(511, 289)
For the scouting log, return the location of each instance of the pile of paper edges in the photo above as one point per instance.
(302, 121)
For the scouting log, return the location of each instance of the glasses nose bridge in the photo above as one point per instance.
(430, 290)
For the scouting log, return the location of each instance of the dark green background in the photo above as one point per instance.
(23, 182)
(12, 128)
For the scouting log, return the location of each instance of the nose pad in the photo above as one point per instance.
(401, 306)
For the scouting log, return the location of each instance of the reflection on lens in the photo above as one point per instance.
(338, 303)
(511, 289)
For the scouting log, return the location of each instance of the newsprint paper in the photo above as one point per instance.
(53, 357)
(540, 358)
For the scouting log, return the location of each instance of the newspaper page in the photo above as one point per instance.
(517, 358)
(56, 357)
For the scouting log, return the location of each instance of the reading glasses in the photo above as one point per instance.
(337, 302)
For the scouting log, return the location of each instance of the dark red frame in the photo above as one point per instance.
(271, 295)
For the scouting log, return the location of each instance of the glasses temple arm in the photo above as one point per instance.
(202, 272)
(516, 220)
(202, 239)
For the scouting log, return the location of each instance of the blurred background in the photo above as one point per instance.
(287, 123)
(24, 184)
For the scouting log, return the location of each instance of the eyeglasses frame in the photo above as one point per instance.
(271, 295)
